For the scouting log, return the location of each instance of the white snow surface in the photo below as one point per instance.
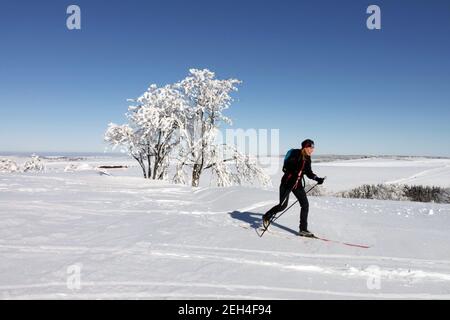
(138, 239)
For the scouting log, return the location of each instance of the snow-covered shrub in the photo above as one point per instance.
(426, 194)
(444, 196)
(8, 166)
(379, 191)
(34, 164)
(398, 192)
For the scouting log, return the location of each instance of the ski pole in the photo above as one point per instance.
(276, 217)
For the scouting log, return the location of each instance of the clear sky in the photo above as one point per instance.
(309, 68)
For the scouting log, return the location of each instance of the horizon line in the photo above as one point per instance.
(12, 153)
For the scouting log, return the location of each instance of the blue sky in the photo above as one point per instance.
(310, 68)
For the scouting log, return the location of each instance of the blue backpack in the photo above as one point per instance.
(286, 157)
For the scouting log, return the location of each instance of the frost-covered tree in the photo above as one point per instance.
(208, 98)
(8, 166)
(183, 120)
(152, 132)
(34, 164)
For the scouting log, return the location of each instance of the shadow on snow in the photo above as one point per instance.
(254, 220)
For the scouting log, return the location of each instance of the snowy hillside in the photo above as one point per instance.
(135, 238)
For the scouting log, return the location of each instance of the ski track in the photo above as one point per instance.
(429, 173)
(348, 271)
(227, 287)
(144, 247)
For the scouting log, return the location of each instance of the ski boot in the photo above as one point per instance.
(306, 233)
(266, 220)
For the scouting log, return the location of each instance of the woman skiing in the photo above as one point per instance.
(297, 163)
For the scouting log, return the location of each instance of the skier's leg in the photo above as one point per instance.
(284, 199)
(284, 196)
(303, 200)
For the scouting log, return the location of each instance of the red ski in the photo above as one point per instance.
(344, 243)
(279, 234)
(320, 238)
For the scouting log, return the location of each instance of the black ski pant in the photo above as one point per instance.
(300, 194)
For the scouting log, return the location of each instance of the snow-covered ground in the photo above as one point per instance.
(133, 238)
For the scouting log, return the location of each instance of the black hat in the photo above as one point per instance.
(307, 143)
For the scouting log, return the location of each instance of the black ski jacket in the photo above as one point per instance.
(293, 165)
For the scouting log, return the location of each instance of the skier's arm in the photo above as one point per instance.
(309, 173)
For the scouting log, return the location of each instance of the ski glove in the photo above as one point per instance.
(320, 180)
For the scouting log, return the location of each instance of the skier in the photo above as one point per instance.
(296, 164)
